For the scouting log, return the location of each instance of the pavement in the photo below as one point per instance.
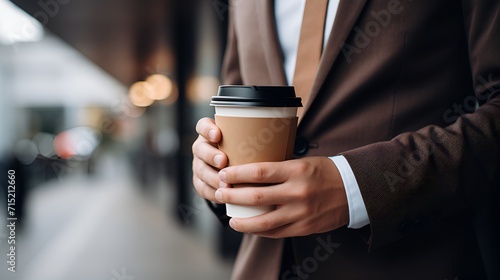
(106, 227)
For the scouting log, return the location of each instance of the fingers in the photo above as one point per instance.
(255, 196)
(205, 175)
(209, 154)
(266, 172)
(268, 224)
(308, 194)
(203, 189)
(207, 128)
(272, 175)
(205, 148)
(207, 159)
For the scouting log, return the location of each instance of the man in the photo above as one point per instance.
(405, 101)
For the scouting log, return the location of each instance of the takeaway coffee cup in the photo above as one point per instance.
(258, 124)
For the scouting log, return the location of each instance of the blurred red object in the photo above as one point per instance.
(77, 142)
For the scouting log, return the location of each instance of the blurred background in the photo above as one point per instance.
(98, 105)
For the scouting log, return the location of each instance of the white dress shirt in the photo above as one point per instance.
(288, 14)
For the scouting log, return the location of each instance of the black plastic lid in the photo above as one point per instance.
(256, 96)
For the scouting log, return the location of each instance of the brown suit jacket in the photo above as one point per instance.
(408, 92)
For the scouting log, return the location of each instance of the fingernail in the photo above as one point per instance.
(211, 134)
(218, 160)
(232, 223)
(218, 195)
(222, 176)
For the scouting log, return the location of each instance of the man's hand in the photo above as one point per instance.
(308, 193)
(207, 159)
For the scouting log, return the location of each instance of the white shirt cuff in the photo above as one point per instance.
(358, 217)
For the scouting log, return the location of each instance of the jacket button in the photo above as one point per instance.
(301, 146)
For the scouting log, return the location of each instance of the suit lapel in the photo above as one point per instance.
(270, 43)
(347, 14)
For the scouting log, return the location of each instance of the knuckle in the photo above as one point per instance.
(304, 213)
(207, 193)
(204, 190)
(267, 225)
(195, 148)
(256, 197)
(205, 176)
(197, 168)
(302, 167)
(302, 192)
(260, 173)
(201, 170)
(198, 186)
(204, 173)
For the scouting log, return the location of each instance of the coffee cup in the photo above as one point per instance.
(258, 124)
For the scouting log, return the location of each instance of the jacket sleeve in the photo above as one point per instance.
(434, 175)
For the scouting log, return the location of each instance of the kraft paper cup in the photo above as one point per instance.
(258, 124)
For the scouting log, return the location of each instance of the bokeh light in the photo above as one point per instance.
(63, 146)
(202, 88)
(139, 94)
(44, 142)
(160, 87)
(172, 98)
(26, 151)
(77, 142)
